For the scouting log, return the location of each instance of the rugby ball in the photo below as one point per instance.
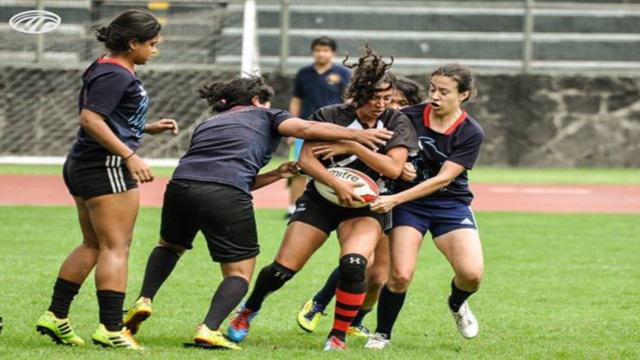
(369, 190)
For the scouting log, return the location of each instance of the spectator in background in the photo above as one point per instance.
(316, 85)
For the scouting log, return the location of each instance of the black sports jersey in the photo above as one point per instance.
(231, 147)
(345, 115)
(459, 144)
(114, 91)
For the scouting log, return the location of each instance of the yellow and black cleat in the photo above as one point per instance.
(59, 330)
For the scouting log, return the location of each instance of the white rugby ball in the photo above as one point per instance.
(369, 190)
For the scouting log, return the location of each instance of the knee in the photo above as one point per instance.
(376, 280)
(470, 278)
(178, 250)
(399, 280)
(116, 249)
(91, 244)
(278, 271)
(353, 268)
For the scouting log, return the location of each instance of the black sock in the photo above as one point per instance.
(228, 295)
(63, 293)
(457, 297)
(160, 264)
(111, 304)
(324, 296)
(357, 321)
(389, 306)
(271, 278)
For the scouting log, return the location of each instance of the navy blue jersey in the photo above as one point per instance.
(231, 147)
(459, 144)
(345, 115)
(114, 91)
(318, 90)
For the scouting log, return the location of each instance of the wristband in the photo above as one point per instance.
(128, 157)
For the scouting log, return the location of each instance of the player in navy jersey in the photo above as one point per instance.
(370, 91)
(407, 93)
(101, 173)
(434, 196)
(210, 191)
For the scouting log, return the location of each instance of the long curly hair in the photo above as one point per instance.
(369, 72)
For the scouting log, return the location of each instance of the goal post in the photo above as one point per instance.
(250, 48)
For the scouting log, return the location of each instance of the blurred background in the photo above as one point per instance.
(558, 80)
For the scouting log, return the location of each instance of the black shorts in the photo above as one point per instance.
(313, 209)
(91, 178)
(223, 213)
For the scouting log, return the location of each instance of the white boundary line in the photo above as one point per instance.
(59, 160)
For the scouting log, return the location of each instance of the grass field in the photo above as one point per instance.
(481, 175)
(557, 286)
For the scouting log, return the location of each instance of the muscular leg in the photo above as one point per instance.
(234, 286)
(77, 265)
(300, 242)
(405, 244)
(463, 250)
(113, 217)
(160, 264)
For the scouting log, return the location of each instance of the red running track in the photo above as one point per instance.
(50, 190)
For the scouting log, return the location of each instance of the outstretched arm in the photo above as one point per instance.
(285, 170)
(447, 174)
(315, 130)
(389, 164)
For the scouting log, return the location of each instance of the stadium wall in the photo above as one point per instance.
(536, 120)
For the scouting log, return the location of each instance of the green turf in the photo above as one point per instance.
(481, 175)
(556, 286)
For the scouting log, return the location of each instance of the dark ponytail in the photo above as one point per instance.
(224, 95)
(130, 25)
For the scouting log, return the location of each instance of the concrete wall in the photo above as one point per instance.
(561, 121)
(552, 121)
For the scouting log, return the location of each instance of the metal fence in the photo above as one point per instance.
(491, 36)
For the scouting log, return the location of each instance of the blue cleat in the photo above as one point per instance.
(239, 327)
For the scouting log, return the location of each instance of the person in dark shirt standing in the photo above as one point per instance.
(433, 195)
(210, 191)
(317, 85)
(101, 173)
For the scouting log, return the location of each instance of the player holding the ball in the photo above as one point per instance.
(434, 196)
(407, 93)
(359, 229)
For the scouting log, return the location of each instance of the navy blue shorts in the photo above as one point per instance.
(438, 216)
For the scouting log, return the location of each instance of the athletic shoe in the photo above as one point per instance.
(115, 339)
(359, 331)
(59, 330)
(309, 316)
(333, 343)
(213, 339)
(137, 313)
(466, 321)
(239, 327)
(377, 341)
